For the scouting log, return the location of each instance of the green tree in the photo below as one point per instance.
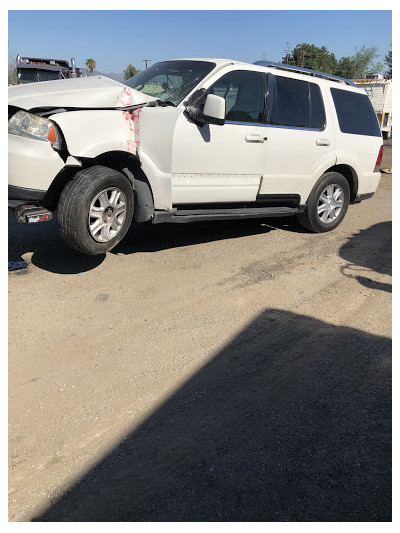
(311, 56)
(287, 58)
(363, 62)
(345, 68)
(388, 61)
(319, 58)
(130, 71)
(90, 65)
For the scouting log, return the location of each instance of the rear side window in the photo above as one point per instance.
(317, 110)
(298, 104)
(292, 105)
(355, 113)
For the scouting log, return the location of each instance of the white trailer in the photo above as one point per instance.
(379, 91)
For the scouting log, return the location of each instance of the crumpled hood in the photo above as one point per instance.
(89, 92)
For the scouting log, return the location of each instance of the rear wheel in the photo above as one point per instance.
(95, 210)
(327, 203)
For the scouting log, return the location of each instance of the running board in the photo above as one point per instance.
(200, 215)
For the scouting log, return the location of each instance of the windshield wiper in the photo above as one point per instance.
(163, 103)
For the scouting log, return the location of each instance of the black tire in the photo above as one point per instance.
(75, 203)
(310, 218)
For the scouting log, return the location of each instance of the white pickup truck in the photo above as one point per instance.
(189, 140)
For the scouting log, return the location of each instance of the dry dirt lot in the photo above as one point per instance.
(230, 371)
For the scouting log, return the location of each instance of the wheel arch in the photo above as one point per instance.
(122, 162)
(351, 176)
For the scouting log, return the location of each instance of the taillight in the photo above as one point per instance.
(379, 160)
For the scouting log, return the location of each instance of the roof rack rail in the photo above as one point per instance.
(302, 70)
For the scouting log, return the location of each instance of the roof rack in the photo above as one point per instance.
(302, 70)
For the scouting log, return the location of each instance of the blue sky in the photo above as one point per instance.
(116, 38)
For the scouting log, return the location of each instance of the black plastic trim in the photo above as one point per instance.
(360, 197)
(20, 195)
(262, 200)
(282, 200)
(200, 215)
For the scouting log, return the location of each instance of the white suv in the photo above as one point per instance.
(189, 140)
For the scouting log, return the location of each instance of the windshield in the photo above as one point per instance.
(28, 75)
(171, 80)
(47, 75)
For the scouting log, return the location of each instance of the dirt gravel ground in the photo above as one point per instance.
(230, 371)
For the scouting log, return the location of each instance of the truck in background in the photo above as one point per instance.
(34, 69)
(379, 91)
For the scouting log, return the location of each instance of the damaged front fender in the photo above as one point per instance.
(90, 133)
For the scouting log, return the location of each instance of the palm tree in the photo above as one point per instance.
(90, 65)
(130, 71)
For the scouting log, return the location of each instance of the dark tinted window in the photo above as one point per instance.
(355, 113)
(317, 111)
(298, 104)
(27, 75)
(244, 94)
(292, 104)
(48, 75)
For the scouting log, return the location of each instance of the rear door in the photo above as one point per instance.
(300, 135)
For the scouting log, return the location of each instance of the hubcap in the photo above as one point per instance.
(107, 214)
(330, 203)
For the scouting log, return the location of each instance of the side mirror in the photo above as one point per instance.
(213, 111)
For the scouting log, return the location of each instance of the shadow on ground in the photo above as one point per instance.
(290, 422)
(369, 251)
(52, 254)
(49, 250)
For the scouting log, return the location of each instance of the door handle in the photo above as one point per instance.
(251, 138)
(323, 142)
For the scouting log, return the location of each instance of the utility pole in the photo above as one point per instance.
(146, 60)
(320, 61)
(302, 57)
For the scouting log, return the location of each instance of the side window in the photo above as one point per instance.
(355, 113)
(244, 94)
(298, 104)
(385, 120)
(292, 103)
(317, 110)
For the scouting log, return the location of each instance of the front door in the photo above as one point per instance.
(219, 164)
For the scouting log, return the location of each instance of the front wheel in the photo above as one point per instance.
(327, 203)
(95, 210)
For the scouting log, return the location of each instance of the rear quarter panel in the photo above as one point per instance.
(358, 151)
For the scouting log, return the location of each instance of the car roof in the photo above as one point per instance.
(284, 70)
(217, 61)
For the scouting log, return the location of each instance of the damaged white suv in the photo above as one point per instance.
(189, 140)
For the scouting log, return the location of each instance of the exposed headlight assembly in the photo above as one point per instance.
(33, 127)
